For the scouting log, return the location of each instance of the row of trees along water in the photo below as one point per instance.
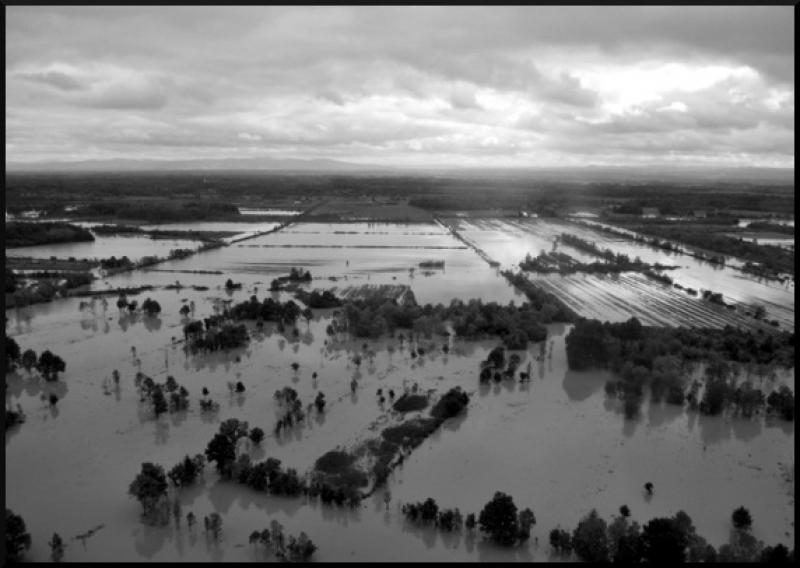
(662, 358)
(672, 540)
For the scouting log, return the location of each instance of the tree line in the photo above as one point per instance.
(669, 540)
(22, 234)
(659, 357)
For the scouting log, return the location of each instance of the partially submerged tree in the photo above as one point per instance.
(149, 487)
(17, 538)
(50, 365)
(56, 548)
(499, 519)
(589, 539)
(741, 519)
(29, 359)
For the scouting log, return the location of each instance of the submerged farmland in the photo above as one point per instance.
(554, 440)
(618, 297)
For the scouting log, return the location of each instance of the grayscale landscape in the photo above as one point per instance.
(380, 284)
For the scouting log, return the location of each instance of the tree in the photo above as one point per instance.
(234, 429)
(186, 472)
(17, 537)
(301, 549)
(623, 539)
(149, 486)
(151, 307)
(320, 402)
(778, 554)
(50, 365)
(222, 450)
(256, 435)
(56, 548)
(526, 521)
(497, 357)
(184, 311)
(586, 345)
(499, 519)
(560, 541)
(160, 405)
(12, 354)
(29, 359)
(741, 519)
(589, 538)
(470, 522)
(663, 541)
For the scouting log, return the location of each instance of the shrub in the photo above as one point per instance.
(410, 403)
(451, 404)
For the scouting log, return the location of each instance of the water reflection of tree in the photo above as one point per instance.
(775, 422)
(150, 540)
(491, 552)
(428, 533)
(161, 432)
(34, 386)
(581, 385)
(660, 414)
(152, 323)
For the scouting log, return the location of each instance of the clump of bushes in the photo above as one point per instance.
(410, 403)
(450, 404)
(411, 434)
(185, 473)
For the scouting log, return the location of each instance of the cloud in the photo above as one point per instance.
(460, 84)
(54, 79)
(463, 97)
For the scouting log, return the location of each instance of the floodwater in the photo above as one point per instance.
(106, 246)
(618, 297)
(241, 228)
(254, 211)
(555, 444)
(347, 254)
(785, 222)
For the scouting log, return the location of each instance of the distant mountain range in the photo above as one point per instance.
(589, 173)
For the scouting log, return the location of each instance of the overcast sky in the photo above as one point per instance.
(426, 86)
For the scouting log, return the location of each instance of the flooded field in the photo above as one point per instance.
(242, 229)
(563, 449)
(556, 444)
(255, 211)
(785, 222)
(617, 298)
(344, 254)
(106, 246)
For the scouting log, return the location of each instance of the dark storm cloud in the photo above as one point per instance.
(459, 81)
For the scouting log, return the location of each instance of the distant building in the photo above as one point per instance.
(650, 212)
(700, 214)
